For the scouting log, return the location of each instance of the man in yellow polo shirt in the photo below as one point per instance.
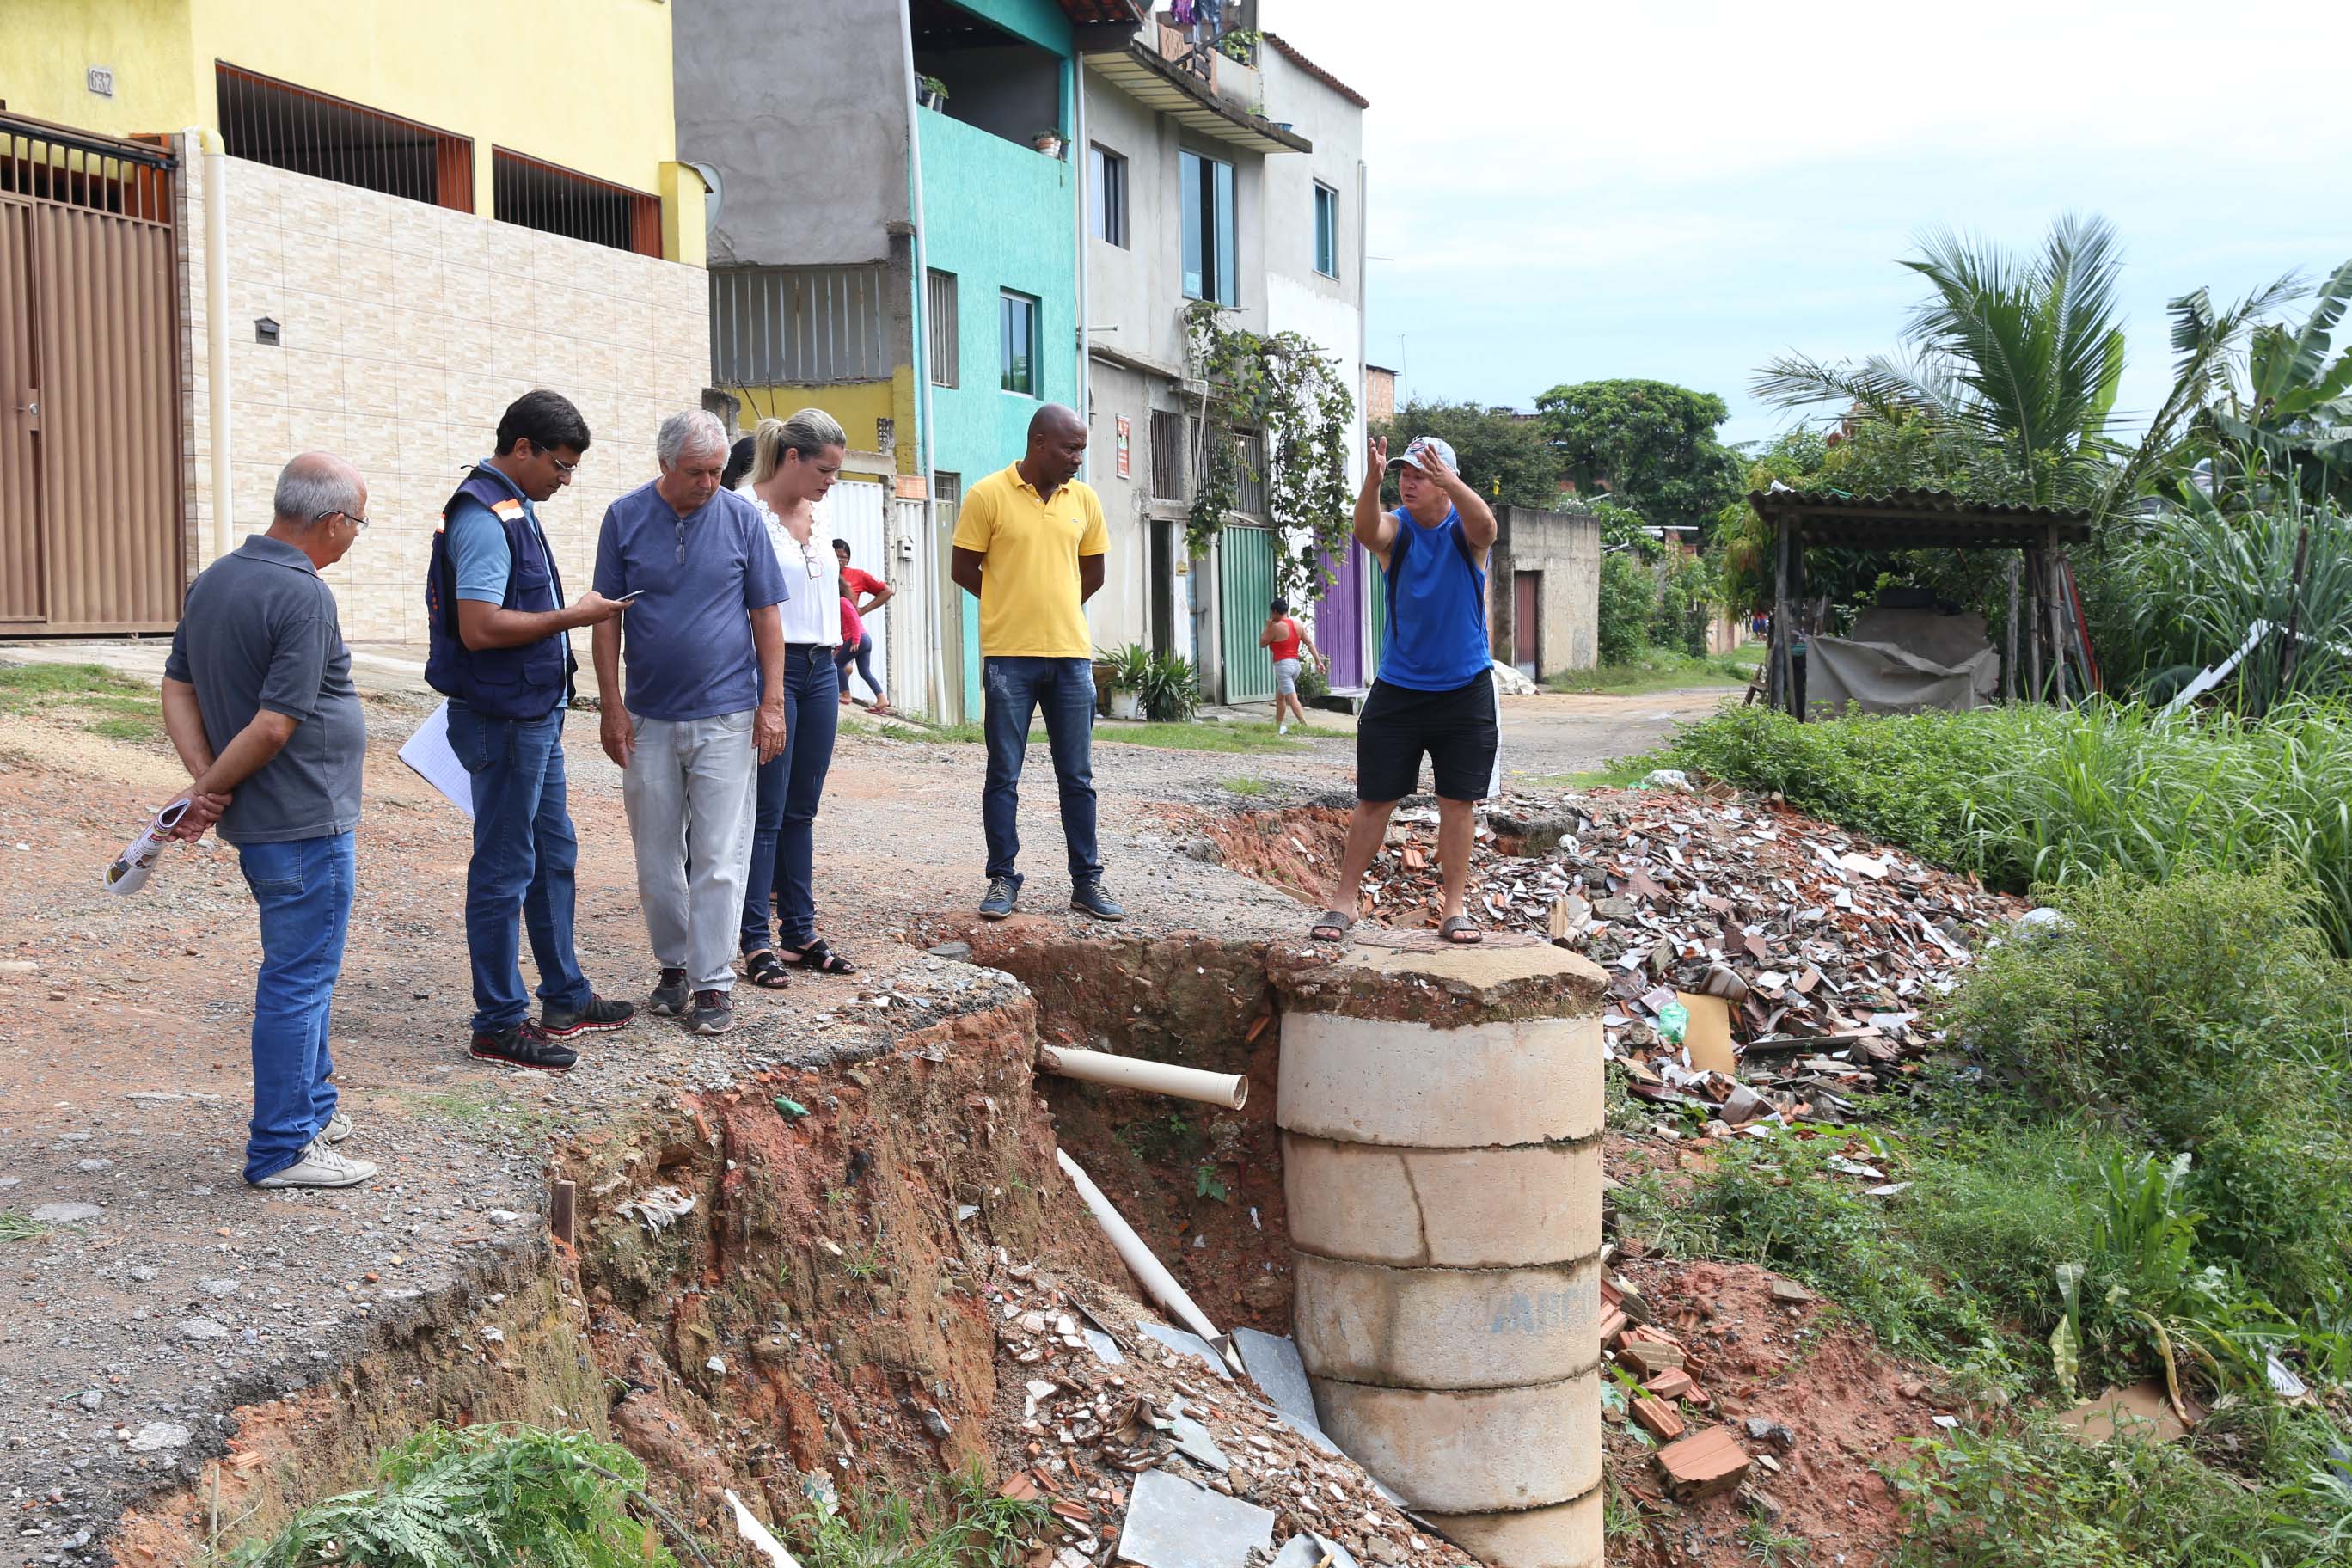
(1029, 545)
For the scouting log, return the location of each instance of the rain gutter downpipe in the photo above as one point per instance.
(216, 362)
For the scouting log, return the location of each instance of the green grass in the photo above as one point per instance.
(1247, 786)
(1662, 670)
(2037, 794)
(958, 1522)
(1623, 773)
(15, 1225)
(114, 706)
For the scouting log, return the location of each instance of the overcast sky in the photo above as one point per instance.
(1681, 192)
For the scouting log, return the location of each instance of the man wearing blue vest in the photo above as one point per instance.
(494, 603)
(1436, 691)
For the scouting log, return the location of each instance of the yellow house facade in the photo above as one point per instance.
(387, 219)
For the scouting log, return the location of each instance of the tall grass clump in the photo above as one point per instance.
(2183, 591)
(2205, 1017)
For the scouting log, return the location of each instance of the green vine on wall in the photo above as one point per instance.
(1287, 391)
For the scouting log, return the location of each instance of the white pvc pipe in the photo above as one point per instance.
(1154, 1276)
(217, 334)
(1228, 1090)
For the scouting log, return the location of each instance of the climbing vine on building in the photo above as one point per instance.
(1287, 391)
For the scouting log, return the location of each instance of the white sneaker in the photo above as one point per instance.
(338, 1128)
(321, 1167)
(1282, 729)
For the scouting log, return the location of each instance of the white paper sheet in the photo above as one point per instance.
(429, 755)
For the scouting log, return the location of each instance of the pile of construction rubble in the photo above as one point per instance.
(1145, 1448)
(1762, 965)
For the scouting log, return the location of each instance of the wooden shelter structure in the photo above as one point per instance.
(1929, 520)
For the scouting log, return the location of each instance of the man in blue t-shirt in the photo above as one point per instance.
(501, 653)
(702, 651)
(1436, 691)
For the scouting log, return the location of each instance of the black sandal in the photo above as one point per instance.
(764, 970)
(819, 957)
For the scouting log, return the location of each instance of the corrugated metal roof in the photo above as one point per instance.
(1289, 51)
(1907, 519)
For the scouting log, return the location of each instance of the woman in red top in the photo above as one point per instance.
(858, 644)
(1282, 638)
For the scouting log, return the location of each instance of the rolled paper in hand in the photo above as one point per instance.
(137, 862)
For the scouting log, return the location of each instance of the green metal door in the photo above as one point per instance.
(1244, 586)
(1379, 595)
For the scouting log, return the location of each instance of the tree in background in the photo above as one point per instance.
(1650, 445)
(2023, 356)
(1504, 455)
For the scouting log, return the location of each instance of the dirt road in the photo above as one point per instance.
(165, 1292)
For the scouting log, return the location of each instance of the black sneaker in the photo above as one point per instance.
(713, 1013)
(1003, 893)
(524, 1044)
(1088, 899)
(670, 996)
(562, 1023)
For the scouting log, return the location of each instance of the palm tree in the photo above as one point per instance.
(2026, 356)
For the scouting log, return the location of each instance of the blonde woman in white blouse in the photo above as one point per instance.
(794, 462)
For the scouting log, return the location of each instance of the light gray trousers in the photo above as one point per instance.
(693, 779)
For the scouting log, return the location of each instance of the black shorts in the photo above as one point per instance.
(1457, 730)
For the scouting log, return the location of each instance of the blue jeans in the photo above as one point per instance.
(864, 656)
(1014, 689)
(303, 888)
(783, 820)
(525, 855)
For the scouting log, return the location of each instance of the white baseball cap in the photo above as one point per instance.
(1421, 444)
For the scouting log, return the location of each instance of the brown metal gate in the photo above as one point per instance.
(89, 385)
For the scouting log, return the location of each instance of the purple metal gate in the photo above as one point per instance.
(1339, 620)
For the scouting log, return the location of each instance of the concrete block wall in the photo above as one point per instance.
(405, 331)
(1565, 548)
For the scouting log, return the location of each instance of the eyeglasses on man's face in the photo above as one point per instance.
(359, 524)
(566, 470)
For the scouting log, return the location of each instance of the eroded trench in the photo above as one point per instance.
(826, 1316)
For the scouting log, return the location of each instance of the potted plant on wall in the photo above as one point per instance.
(1130, 676)
(933, 92)
(1048, 143)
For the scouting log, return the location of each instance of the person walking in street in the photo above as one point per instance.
(1029, 545)
(1282, 638)
(1435, 692)
(858, 644)
(704, 703)
(258, 701)
(501, 651)
(796, 462)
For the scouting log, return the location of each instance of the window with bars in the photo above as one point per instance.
(794, 325)
(939, 301)
(1016, 321)
(1166, 456)
(555, 200)
(1249, 483)
(265, 120)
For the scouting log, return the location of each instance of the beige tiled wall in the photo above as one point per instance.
(405, 331)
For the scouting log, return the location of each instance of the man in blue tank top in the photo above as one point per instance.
(1436, 691)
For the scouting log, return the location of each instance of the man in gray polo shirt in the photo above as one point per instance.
(258, 701)
(705, 703)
